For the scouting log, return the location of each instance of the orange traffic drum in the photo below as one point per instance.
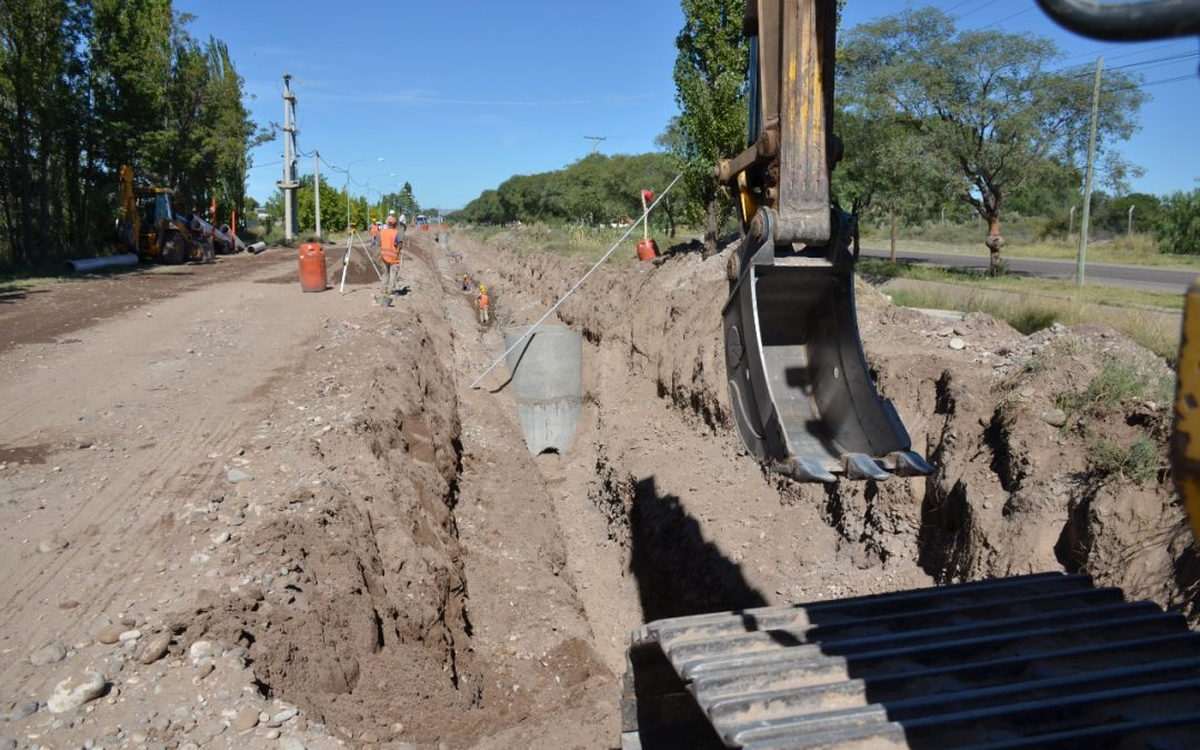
(312, 267)
(647, 249)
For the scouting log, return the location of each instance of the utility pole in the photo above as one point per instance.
(1071, 224)
(595, 139)
(1129, 229)
(288, 184)
(1087, 180)
(317, 188)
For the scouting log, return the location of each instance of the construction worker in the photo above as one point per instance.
(483, 304)
(374, 234)
(466, 283)
(391, 244)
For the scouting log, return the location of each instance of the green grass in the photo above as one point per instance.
(872, 268)
(1149, 318)
(1138, 461)
(1025, 241)
(571, 241)
(1115, 382)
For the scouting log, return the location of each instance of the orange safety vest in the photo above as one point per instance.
(374, 230)
(483, 301)
(387, 245)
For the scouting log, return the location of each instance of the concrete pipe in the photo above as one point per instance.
(87, 265)
(547, 379)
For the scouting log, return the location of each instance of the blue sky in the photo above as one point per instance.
(457, 96)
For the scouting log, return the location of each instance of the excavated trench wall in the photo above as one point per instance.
(356, 610)
(1014, 494)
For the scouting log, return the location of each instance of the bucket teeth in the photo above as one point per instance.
(862, 466)
(805, 469)
(908, 464)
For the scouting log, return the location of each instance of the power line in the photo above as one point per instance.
(1149, 63)
(1002, 20)
(988, 4)
(1105, 50)
(956, 6)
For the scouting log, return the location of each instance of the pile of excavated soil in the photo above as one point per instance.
(1016, 490)
(292, 518)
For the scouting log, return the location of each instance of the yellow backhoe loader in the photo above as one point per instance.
(149, 227)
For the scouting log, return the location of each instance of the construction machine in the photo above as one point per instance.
(1044, 660)
(799, 386)
(149, 227)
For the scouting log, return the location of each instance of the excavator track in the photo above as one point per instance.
(1046, 660)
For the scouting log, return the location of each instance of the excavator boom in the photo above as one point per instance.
(799, 385)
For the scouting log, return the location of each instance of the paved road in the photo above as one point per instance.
(1148, 278)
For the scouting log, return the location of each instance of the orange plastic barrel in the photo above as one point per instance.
(647, 249)
(312, 267)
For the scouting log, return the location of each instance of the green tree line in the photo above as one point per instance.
(938, 123)
(89, 85)
(597, 189)
(334, 207)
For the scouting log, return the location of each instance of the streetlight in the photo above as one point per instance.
(347, 171)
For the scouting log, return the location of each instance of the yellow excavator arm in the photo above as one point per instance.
(799, 386)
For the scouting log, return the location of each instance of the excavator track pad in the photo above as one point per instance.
(1045, 660)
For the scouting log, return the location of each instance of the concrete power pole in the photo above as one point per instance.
(288, 184)
(317, 188)
(1087, 180)
(1129, 229)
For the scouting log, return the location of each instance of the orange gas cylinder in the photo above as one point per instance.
(312, 267)
(647, 249)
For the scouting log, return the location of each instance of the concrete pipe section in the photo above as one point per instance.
(547, 377)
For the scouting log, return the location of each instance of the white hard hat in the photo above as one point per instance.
(392, 212)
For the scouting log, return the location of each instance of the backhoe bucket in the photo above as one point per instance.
(801, 393)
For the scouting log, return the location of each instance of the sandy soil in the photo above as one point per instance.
(262, 516)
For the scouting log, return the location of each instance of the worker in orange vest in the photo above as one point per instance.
(374, 234)
(483, 304)
(391, 244)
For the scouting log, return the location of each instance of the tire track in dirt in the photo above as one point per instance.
(160, 448)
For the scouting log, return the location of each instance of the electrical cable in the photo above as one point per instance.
(1002, 20)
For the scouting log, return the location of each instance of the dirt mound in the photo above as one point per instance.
(1032, 476)
(354, 601)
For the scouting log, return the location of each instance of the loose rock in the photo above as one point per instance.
(247, 718)
(1055, 417)
(110, 633)
(155, 649)
(200, 651)
(236, 476)
(281, 717)
(20, 711)
(48, 654)
(75, 691)
(956, 343)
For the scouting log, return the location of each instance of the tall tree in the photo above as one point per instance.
(989, 106)
(710, 89)
(89, 85)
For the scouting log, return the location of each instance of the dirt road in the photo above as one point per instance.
(236, 514)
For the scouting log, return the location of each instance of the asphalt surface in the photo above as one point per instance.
(1148, 278)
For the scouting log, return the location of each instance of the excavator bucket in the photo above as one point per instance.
(800, 389)
(801, 392)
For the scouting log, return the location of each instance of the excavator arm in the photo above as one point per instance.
(800, 389)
